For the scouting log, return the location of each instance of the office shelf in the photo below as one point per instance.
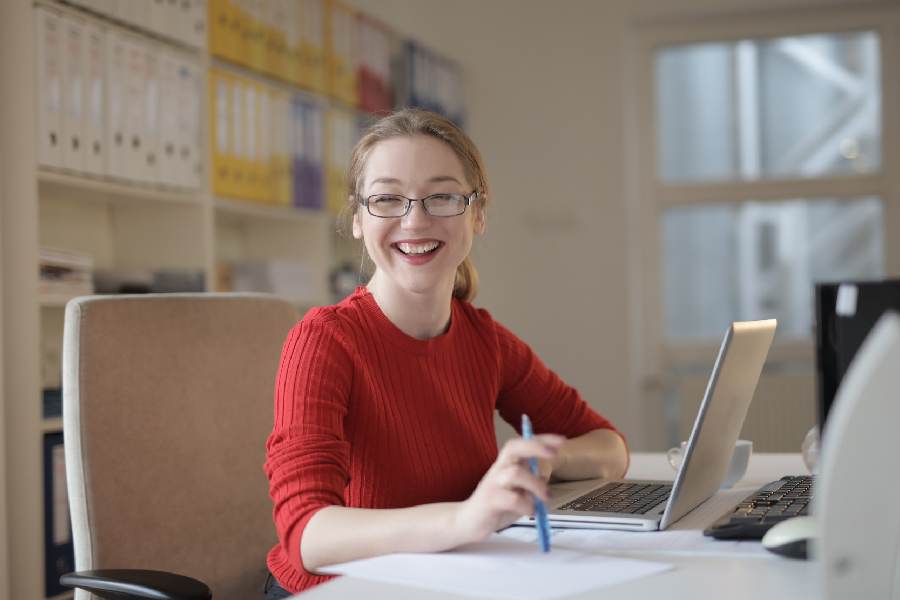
(84, 188)
(120, 224)
(51, 425)
(268, 212)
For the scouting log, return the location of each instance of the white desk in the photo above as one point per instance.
(694, 576)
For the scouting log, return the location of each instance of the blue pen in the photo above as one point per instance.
(540, 511)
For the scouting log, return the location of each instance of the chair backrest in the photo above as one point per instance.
(167, 402)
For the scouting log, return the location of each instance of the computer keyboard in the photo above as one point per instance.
(631, 498)
(772, 503)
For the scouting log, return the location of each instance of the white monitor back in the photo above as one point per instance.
(857, 493)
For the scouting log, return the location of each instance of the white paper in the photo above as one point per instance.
(845, 303)
(502, 568)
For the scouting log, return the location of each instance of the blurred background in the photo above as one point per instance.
(658, 170)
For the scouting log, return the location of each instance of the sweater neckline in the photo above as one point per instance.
(397, 336)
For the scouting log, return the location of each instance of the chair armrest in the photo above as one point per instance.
(130, 584)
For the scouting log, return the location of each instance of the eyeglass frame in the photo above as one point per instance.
(469, 198)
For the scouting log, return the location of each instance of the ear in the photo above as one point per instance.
(480, 221)
(357, 226)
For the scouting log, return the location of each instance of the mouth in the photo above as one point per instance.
(417, 248)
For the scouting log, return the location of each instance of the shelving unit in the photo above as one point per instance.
(120, 224)
(84, 188)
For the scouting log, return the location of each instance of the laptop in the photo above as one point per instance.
(645, 505)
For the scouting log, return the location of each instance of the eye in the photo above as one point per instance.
(442, 198)
(386, 200)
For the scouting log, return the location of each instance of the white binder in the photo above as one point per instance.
(94, 101)
(197, 28)
(115, 130)
(190, 161)
(48, 57)
(149, 166)
(132, 12)
(73, 94)
(169, 173)
(103, 7)
(161, 18)
(134, 108)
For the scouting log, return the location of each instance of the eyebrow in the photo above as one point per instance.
(435, 179)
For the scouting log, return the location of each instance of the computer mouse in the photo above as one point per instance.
(791, 538)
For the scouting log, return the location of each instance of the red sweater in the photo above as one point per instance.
(366, 416)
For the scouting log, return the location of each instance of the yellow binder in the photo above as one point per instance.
(223, 41)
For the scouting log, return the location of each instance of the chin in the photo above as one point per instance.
(421, 283)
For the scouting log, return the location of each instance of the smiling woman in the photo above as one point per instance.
(384, 434)
(419, 247)
(447, 147)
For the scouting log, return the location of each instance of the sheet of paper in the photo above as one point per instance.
(501, 567)
(675, 541)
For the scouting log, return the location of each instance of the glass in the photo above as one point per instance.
(388, 206)
(802, 106)
(726, 262)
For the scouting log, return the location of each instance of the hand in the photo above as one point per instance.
(507, 490)
(546, 466)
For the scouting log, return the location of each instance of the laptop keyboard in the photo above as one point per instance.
(631, 498)
(772, 503)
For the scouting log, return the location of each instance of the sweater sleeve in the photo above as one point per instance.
(307, 454)
(528, 386)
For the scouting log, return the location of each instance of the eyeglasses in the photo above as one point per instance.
(389, 206)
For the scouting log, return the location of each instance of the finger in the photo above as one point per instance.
(545, 469)
(514, 504)
(519, 478)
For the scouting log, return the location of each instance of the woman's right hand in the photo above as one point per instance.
(507, 490)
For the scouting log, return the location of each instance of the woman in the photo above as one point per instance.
(384, 434)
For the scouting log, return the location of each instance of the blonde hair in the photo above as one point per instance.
(407, 123)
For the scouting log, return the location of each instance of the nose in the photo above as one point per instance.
(416, 218)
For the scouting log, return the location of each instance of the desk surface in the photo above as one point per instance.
(694, 576)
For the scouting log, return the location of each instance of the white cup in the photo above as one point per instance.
(740, 458)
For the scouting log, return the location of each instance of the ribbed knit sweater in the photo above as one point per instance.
(367, 416)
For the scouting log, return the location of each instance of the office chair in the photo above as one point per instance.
(167, 402)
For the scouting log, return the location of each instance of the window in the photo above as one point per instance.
(753, 260)
(802, 106)
(766, 109)
(764, 159)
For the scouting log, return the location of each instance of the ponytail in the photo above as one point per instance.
(466, 285)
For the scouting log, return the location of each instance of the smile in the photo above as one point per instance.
(416, 249)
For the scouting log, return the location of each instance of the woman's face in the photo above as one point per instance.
(418, 252)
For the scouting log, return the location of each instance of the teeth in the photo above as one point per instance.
(417, 248)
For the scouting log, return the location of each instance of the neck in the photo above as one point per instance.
(422, 315)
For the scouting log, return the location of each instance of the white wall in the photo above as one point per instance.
(545, 92)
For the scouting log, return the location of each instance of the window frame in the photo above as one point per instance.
(653, 356)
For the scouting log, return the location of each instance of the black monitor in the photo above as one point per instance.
(845, 313)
